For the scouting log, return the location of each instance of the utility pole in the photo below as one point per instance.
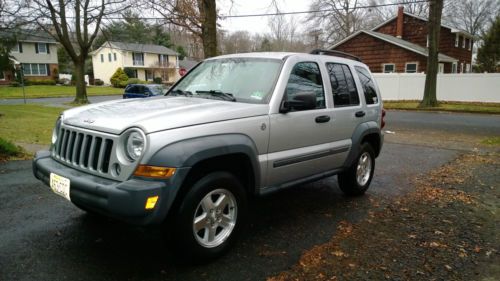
(433, 27)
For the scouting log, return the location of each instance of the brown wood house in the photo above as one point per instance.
(400, 45)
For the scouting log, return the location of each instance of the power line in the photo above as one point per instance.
(281, 13)
(322, 11)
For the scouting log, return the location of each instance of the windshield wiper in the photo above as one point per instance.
(219, 94)
(180, 93)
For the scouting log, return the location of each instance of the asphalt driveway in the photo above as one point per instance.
(44, 237)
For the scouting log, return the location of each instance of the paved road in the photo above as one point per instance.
(58, 101)
(43, 237)
(467, 123)
(396, 120)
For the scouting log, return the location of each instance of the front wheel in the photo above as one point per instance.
(357, 178)
(210, 217)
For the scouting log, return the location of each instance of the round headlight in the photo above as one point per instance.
(135, 145)
(55, 131)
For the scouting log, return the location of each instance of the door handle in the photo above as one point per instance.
(322, 119)
(360, 114)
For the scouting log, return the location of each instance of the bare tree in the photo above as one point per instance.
(74, 24)
(434, 27)
(472, 16)
(340, 18)
(236, 42)
(197, 16)
(279, 28)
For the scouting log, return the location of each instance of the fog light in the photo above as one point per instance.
(151, 202)
(154, 172)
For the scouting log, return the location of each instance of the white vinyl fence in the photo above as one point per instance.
(477, 87)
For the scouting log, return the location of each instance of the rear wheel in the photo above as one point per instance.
(357, 178)
(210, 217)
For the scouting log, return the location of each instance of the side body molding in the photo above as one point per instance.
(360, 132)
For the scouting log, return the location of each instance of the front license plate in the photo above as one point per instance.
(60, 185)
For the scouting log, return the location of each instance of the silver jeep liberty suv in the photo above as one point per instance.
(234, 127)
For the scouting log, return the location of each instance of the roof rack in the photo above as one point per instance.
(334, 53)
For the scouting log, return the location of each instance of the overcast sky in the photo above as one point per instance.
(257, 24)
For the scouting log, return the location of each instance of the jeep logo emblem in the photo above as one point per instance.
(89, 121)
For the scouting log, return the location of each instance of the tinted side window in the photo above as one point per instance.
(306, 77)
(368, 86)
(343, 86)
(140, 90)
(131, 89)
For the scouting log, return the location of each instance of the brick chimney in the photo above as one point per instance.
(399, 26)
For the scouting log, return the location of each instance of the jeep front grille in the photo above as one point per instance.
(83, 150)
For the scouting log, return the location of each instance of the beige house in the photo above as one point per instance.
(147, 61)
(36, 53)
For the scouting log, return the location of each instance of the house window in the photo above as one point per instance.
(411, 67)
(463, 43)
(42, 48)
(134, 73)
(343, 88)
(467, 68)
(454, 67)
(457, 38)
(470, 44)
(389, 68)
(114, 56)
(441, 68)
(2, 76)
(163, 60)
(461, 67)
(15, 48)
(109, 57)
(35, 69)
(149, 75)
(138, 58)
(102, 58)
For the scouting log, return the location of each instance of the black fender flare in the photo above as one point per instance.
(360, 132)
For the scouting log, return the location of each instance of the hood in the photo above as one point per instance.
(158, 113)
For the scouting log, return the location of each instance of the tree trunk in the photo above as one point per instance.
(81, 89)
(434, 26)
(208, 14)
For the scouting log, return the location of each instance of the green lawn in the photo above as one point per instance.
(472, 107)
(39, 91)
(28, 123)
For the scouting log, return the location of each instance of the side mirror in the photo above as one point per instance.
(300, 101)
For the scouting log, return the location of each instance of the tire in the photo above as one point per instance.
(204, 230)
(350, 182)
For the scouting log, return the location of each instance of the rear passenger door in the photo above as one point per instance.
(348, 110)
(370, 90)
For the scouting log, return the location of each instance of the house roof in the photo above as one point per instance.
(187, 64)
(398, 42)
(29, 36)
(140, 48)
(453, 29)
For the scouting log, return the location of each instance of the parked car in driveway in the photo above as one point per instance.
(143, 90)
(234, 127)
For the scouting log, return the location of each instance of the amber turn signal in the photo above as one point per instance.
(154, 172)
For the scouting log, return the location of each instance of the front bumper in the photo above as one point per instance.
(120, 200)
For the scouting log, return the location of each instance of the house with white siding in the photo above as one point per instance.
(146, 61)
(36, 53)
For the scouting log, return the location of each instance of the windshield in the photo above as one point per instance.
(249, 80)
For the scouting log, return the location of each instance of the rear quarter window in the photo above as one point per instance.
(368, 85)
